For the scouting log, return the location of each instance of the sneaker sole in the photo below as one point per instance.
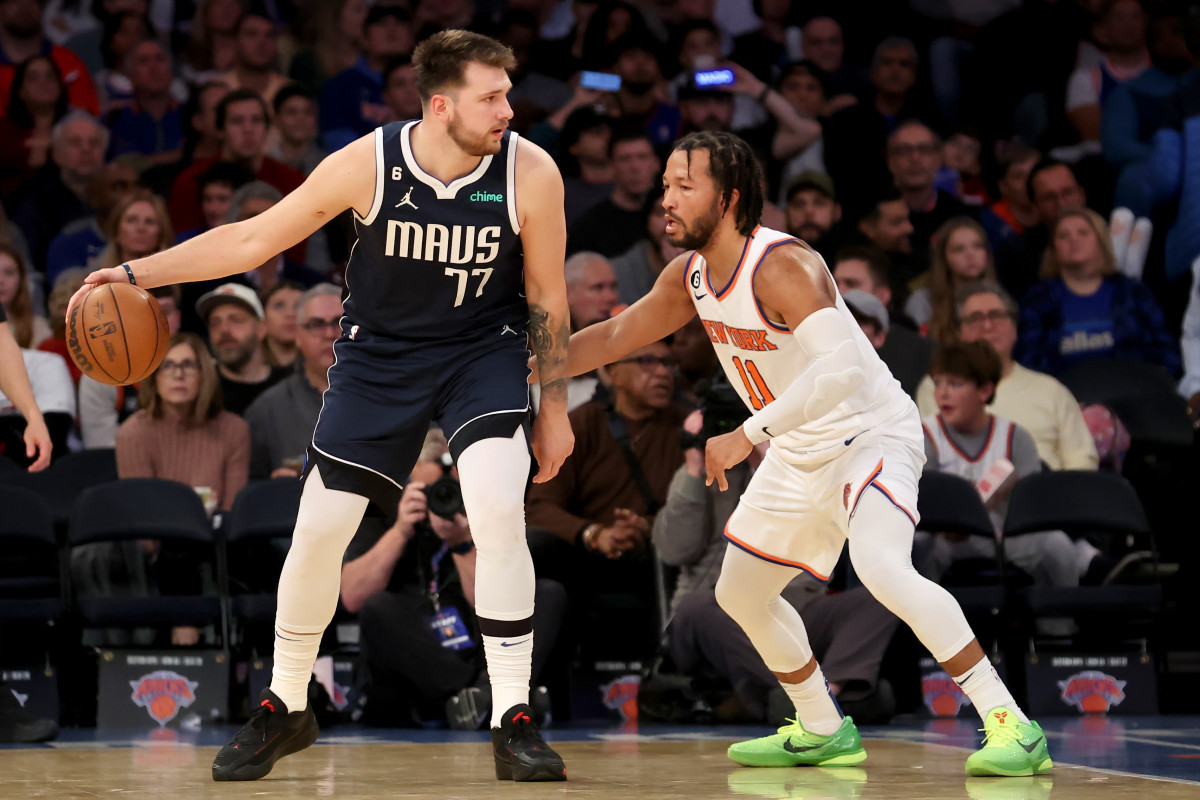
(522, 774)
(786, 760)
(992, 771)
(252, 772)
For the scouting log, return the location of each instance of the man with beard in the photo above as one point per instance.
(457, 270)
(614, 224)
(637, 101)
(845, 457)
(813, 211)
(236, 329)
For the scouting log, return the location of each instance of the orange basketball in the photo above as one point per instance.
(117, 334)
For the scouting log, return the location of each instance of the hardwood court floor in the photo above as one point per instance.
(625, 768)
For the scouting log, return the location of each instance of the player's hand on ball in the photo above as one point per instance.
(723, 452)
(113, 275)
(553, 441)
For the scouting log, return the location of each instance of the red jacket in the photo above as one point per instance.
(81, 91)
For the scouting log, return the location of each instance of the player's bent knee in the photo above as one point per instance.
(736, 601)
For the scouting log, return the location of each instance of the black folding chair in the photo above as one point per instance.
(147, 508)
(32, 588)
(1143, 395)
(1085, 503)
(258, 531)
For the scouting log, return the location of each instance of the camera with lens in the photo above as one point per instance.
(723, 411)
(444, 496)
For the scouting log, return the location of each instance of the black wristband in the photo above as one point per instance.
(129, 272)
(463, 549)
(762, 96)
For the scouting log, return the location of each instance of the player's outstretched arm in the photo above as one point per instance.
(544, 240)
(14, 382)
(666, 309)
(345, 179)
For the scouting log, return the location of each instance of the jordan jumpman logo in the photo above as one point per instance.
(407, 199)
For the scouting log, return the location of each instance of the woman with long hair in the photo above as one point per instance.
(961, 254)
(1085, 308)
(138, 226)
(29, 329)
(37, 100)
(213, 46)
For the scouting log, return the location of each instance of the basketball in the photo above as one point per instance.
(117, 334)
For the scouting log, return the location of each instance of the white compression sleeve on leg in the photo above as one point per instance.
(834, 371)
(309, 584)
(493, 474)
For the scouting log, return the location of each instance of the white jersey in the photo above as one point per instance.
(762, 358)
(950, 457)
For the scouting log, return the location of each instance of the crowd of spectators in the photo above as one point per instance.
(959, 167)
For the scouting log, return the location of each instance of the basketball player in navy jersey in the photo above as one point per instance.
(846, 452)
(457, 267)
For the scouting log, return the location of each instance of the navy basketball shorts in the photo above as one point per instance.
(384, 394)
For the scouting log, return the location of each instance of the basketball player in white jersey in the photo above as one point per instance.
(846, 454)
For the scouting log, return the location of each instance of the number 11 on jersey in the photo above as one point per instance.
(756, 387)
(461, 274)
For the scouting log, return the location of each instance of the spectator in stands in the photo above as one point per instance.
(58, 195)
(242, 120)
(28, 328)
(822, 42)
(22, 37)
(234, 317)
(121, 32)
(137, 226)
(803, 86)
(1035, 401)
(80, 243)
(281, 310)
(849, 631)
(331, 42)
(764, 50)
(423, 567)
(204, 139)
(591, 288)
(216, 187)
(37, 100)
(56, 314)
(400, 89)
(102, 408)
(639, 267)
(960, 254)
(1054, 189)
(886, 224)
(615, 224)
(634, 58)
(1084, 308)
(906, 353)
(249, 201)
(283, 417)
(964, 378)
(582, 152)
(352, 101)
(813, 212)
(856, 136)
(697, 46)
(294, 139)
(914, 156)
(256, 55)
(212, 47)
(1014, 212)
(151, 125)
(597, 517)
(534, 94)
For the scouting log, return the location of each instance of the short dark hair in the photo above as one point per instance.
(976, 362)
(291, 90)
(885, 193)
(230, 172)
(873, 255)
(1015, 153)
(249, 15)
(628, 132)
(442, 59)
(732, 166)
(240, 96)
(1045, 163)
(805, 67)
(396, 63)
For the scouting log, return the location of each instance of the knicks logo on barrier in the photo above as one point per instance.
(941, 694)
(1092, 691)
(621, 695)
(163, 694)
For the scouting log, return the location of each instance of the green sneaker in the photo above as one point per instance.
(793, 746)
(1011, 748)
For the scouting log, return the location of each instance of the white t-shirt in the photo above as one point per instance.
(51, 382)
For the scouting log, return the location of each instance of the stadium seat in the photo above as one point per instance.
(1143, 395)
(257, 531)
(32, 590)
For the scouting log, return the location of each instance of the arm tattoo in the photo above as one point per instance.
(549, 340)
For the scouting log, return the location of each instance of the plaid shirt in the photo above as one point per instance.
(1139, 331)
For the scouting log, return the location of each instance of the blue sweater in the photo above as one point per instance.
(1138, 331)
(1175, 173)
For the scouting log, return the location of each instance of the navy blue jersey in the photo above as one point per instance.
(436, 261)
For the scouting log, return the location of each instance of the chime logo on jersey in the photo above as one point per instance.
(448, 244)
(743, 339)
(942, 695)
(163, 694)
(1092, 691)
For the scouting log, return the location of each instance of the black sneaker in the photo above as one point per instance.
(521, 752)
(18, 726)
(469, 709)
(271, 734)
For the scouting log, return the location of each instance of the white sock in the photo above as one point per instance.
(816, 709)
(982, 684)
(296, 649)
(509, 660)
